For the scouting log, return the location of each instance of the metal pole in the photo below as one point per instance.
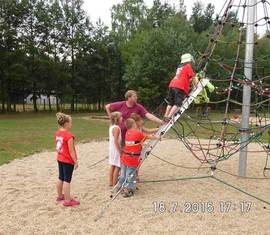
(251, 10)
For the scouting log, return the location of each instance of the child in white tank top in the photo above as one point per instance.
(114, 147)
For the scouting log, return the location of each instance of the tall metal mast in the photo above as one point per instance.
(247, 89)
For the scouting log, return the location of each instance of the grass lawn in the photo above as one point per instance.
(25, 134)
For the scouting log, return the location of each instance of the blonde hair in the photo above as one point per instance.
(130, 93)
(130, 122)
(62, 118)
(136, 117)
(115, 118)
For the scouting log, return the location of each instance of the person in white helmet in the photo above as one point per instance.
(179, 85)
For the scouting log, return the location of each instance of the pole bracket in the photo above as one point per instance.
(244, 130)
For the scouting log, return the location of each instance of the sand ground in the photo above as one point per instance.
(27, 197)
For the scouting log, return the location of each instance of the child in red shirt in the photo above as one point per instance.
(179, 85)
(67, 159)
(139, 123)
(130, 158)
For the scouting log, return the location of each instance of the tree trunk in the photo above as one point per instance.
(76, 103)
(3, 95)
(72, 106)
(23, 106)
(35, 98)
(50, 105)
(103, 104)
(3, 106)
(9, 109)
(57, 103)
(61, 105)
(99, 104)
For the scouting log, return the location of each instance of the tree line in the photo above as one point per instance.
(51, 48)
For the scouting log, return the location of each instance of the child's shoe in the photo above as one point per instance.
(166, 119)
(128, 193)
(71, 203)
(60, 199)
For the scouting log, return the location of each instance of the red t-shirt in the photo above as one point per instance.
(182, 78)
(126, 112)
(133, 144)
(61, 142)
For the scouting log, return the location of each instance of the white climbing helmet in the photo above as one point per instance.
(185, 58)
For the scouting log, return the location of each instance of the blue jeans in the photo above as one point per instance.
(127, 177)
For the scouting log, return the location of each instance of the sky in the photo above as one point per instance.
(101, 8)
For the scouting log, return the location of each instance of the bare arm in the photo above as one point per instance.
(107, 107)
(116, 133)
(153, 118)
(150, 130)
(153, 137)
(72, 151)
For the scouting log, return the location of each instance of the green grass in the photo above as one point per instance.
(207, 129)
(25, 134)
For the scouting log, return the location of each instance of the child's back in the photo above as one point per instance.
(61, 140)
(133, 146)
(179, 86)
(67, 159)
(182, 78)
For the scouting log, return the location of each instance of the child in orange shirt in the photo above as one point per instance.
(130, 159)
(139, 122)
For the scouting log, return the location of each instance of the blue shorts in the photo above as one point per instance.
(65, 171)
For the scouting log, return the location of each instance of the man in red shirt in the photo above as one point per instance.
(129, 106)
(130, 158)
(179, 85)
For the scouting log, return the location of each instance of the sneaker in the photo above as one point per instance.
(60, 199)
(128, 193)
(166, 119)
(71, 203)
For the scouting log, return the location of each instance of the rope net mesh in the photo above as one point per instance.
(226, 73)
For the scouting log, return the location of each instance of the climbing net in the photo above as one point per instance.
(223, 130)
